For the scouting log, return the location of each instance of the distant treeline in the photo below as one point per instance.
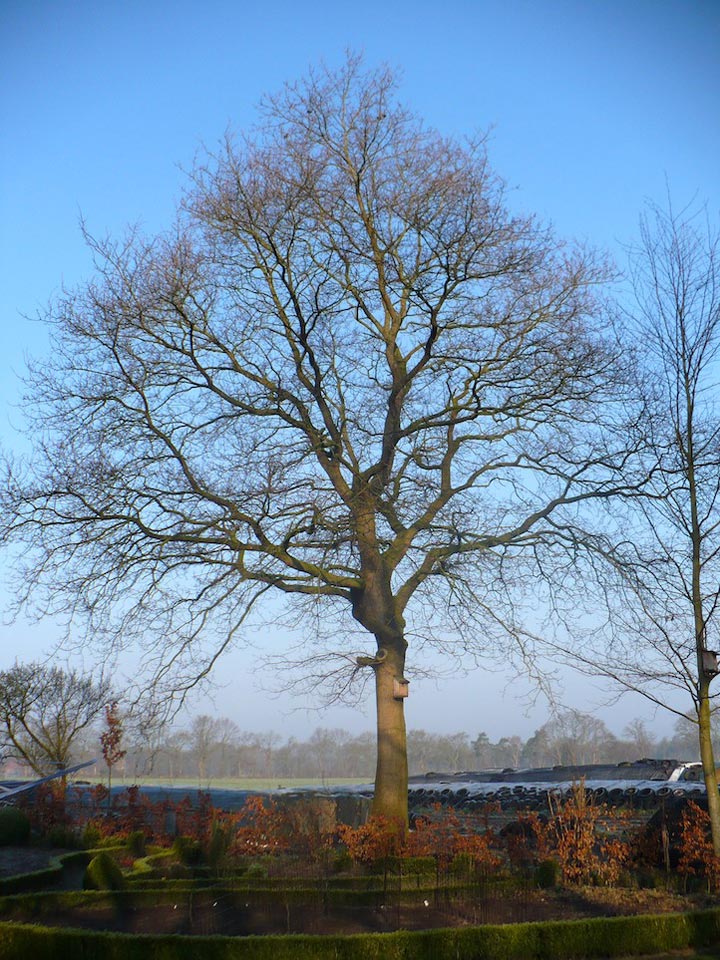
(211, 748)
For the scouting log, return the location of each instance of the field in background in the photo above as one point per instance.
(228, 783)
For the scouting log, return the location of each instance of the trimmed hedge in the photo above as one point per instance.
(37, 905)
(151, 892)
(555, 940)
(145, 868)
(145, 876)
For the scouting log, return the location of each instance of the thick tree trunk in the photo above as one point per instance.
(375, 607)
(391, 772)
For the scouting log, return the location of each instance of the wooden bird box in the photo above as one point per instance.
(710, 662)
(400, 688)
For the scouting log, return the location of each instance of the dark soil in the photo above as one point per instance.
(17, 860)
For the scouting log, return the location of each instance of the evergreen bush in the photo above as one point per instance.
(256, 871)
(14, 827)
(103, 873)
(188, 851)
(547, 874)
(217, 848)
(136, 843)
(91, 836)
(63, 836)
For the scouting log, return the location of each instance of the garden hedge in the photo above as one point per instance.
(554, 940)
(142, 894)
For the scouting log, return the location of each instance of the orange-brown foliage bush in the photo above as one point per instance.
(446, 835)
(575, 837)
(260, 828)
(378, 839)
(697, 857)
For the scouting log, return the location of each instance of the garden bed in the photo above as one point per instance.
(32, 868)
(278, 871)
(20, 860)
(208, 911)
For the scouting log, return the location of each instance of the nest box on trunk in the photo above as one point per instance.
(400, 688)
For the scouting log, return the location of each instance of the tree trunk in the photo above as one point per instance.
(375, 607)
(704, 677)
(708, 763)
(391, 772)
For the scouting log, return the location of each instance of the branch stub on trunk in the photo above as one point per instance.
(372, 661)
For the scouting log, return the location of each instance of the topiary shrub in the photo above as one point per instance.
(217, 848)
(91, 836)
(14, 826)
(340, 861)
(256, 871)
(136, 843)
(103, 873)
(547, 874)
(188, 851)
(62, 836)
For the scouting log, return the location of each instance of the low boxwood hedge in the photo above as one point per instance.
(35, 906)
(152, 892)
(554, 940)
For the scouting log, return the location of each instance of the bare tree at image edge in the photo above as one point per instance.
(43, 711)
(663, 631)
(347, 374)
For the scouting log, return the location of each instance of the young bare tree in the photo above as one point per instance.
(111, 742)
(665, 629)
(44, 710)
(677, 282)
(348, 375)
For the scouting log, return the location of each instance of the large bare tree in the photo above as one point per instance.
(348, 374)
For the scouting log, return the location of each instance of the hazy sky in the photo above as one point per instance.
(594, 106)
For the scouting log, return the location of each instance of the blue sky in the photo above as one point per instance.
(593, 107)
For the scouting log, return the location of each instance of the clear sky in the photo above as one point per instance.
(593, 104)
